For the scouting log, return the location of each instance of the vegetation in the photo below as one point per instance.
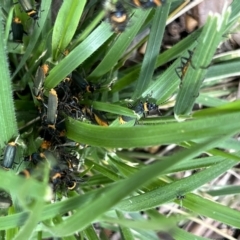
(117, 183)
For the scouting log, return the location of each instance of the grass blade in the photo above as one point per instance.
(66, 25)
(153, 46)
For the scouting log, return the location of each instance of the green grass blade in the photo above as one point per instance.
(152, 224)
(112, 108)
(8, 23)
(78, 55)
(165, 84)
(120, 45)
(45, 4)
(153, 46)
(125, 231)
(170, 191)
(154, 134)
(212, 209)
(90, 233)
(111, 195)
(222, 71)
(235, 11)
(206, 100)
(105, 171)
(180, 234)
(8, 122)
(10, 233)
(33, 220)
(200, 60)
(226, 190)
(88, 29)
(66, 24)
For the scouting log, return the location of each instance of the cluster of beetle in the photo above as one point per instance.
(62, 101)
(58, 103)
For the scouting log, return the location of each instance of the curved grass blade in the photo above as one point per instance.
(153, 134)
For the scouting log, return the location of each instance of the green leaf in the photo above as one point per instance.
(200, 60)
(154, 134)
(105, 171)
(212, 209)
(45, 4)
(177, 188)
(153, 47)
(125, 231)
(90, 233)
(66, 24)
(152, 224)
(120, 45)
(112, 108)
(226, 190)
(109, 196)
(78, 55)
(8, 122)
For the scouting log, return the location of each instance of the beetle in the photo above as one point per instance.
(39, 80)
(9, 154)
(149, 107)
(52, 108)
(35, 158)
(62, 178)
(82, 84)
(185, 62)
(67, 157)
(138, 109)
(17, 30)
(63, 90)
(28, 8)
(117, 15)
(141, 109)
(99, 120)
(45, 145)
